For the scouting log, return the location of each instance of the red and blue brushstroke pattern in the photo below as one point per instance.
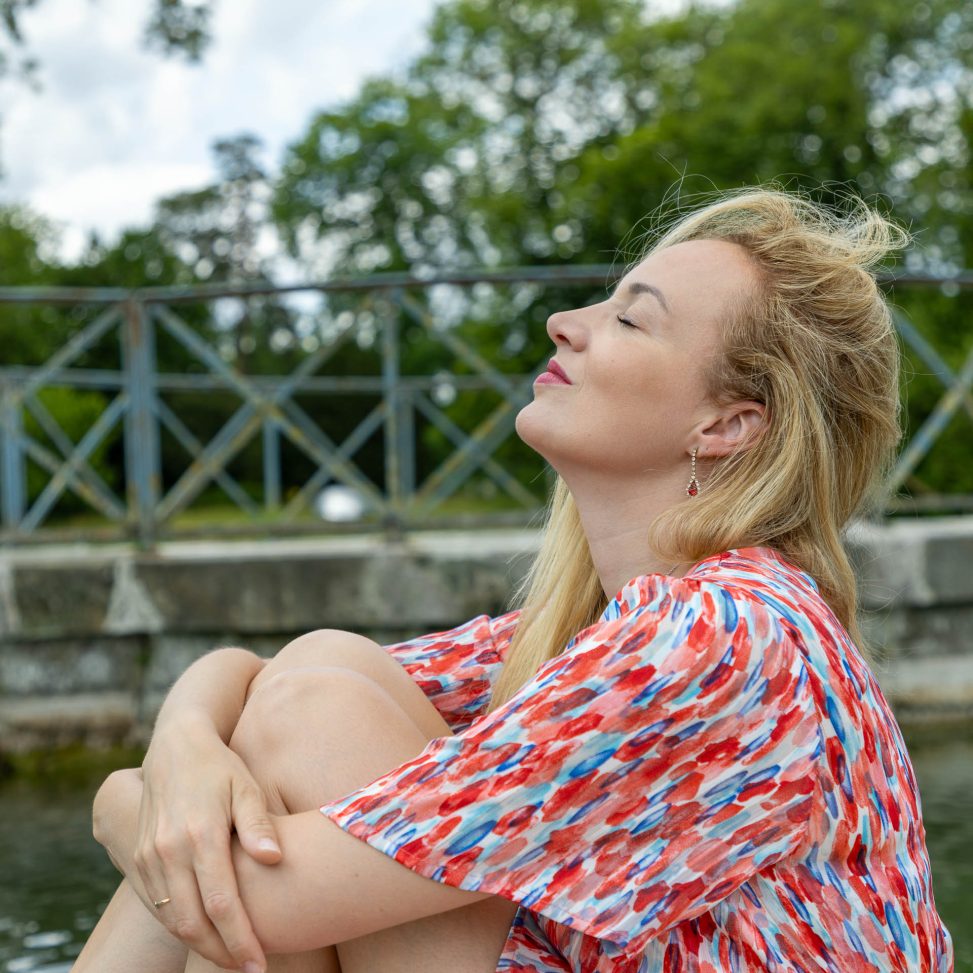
(708, 779)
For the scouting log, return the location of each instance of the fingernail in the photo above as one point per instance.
(265, 844)
(251, 967)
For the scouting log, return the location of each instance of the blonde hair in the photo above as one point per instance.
(815, 343)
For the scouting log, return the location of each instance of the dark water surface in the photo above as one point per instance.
(54, 879)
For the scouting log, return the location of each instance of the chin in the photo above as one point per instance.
(535, 430)
(530, 428)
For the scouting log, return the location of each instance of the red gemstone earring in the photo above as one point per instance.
(693, 488)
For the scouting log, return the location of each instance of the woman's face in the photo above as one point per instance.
(627, 384)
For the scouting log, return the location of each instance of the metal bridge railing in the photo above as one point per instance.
(268, 408)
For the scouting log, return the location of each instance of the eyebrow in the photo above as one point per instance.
(639, 287)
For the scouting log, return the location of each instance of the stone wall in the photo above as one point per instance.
(917, 591)
(92, 637)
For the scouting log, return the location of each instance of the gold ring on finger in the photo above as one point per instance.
(159, 903)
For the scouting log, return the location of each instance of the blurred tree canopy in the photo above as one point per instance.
(541, 132)
(174, 27)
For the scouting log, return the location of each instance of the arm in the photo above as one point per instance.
(183, 795)
(297, 905)
(197, 792)
(198, 718)
(211, 692)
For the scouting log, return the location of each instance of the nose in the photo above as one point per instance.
(566, 328)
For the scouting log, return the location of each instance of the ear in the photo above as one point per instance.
(736, 427)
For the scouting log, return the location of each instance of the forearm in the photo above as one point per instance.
(212, 690)
(329, 886)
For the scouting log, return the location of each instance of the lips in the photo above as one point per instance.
(555, 375)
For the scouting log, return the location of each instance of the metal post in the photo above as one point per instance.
(142, 459)
(271, 451)
(407, 445)
(390, 395)
(13, 470)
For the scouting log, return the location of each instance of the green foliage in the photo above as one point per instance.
(177, 27)
(174, 27)
(541, 132)
(26, 332)
(536, 131)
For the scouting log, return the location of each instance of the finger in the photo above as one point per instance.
(169, 880)
(151, 885)
(220, 896)
(148, 864)
(253, 824)
(184, 916)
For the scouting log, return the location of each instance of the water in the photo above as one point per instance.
(54, 879)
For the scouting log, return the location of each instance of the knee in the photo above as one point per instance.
(308, 735)
(321, 647)
(296, 703)
(322, 643)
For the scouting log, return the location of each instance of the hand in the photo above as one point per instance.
(115, 820)
(196, 792)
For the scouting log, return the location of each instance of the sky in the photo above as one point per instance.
(115, 126)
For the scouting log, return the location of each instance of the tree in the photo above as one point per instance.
(535, 131)
(174, 27)
(27, 334)
(224, 232)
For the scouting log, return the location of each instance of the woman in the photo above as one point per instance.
(672, 757)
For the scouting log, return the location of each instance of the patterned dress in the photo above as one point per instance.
(707, 780)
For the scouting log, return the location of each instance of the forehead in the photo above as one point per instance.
(697, 275)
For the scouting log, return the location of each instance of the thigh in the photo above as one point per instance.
(336, 648)
(467, 940)
(315, 733)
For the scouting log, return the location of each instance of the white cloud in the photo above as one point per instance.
(111, 195)
(115, 126)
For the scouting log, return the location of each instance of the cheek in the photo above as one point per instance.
(643, 405)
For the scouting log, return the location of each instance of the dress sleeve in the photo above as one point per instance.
(640, 777)
(457, 669)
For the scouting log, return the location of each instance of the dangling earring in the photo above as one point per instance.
(693, 488)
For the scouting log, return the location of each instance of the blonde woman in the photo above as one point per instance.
(671, 757)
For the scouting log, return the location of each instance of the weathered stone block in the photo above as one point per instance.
(170, 656)
(397, 589)
(57, 599)
(940, 686)
(89, 638)
(49, 722)
(924, 632)
(949, 567)
(74, 665)
(889, 562)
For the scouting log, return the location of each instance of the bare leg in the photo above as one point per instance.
(127, 937)
(311, 734)
(130, 937)
(296, 963)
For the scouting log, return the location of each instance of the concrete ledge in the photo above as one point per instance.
(914, 562)
(940, 686)
(285, 586)
(48, 722)
(92, 637)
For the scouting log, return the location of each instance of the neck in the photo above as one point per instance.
(616, 516)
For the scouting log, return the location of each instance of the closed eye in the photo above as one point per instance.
(624, 320)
